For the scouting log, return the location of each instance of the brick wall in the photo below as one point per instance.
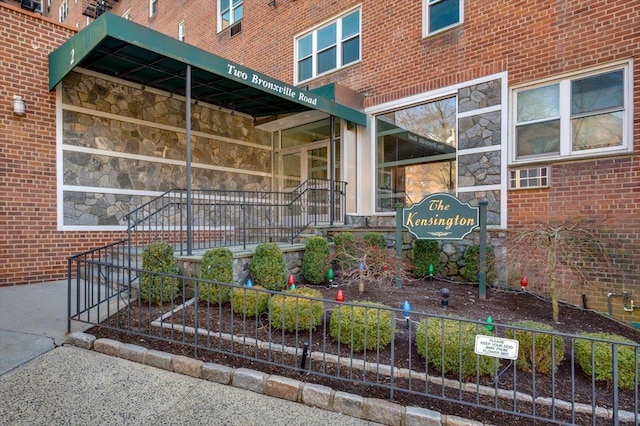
(31, 249)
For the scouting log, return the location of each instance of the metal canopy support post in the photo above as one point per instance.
(482, 289)
(332, 169)
(188, 158)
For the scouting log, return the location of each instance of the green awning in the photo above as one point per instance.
(117, 47)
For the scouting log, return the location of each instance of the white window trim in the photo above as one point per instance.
(314, 48)
(219, 16)
(566, 152)
(127, 15)
(153, 7)
(63, 11)
(425, 20)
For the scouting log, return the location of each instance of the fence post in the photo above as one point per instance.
(482, 288)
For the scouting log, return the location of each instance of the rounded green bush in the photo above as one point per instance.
(603, 358)
(472, 265)
(364, 325)
(268, 267)
(217, 266)
(457, 337)
(346, 251)
(315, 260)
(290, 312)
(425, 253)
(535, 349)
(157, 257)
(249, 301)
(375, 239)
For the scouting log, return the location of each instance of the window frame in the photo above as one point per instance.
(63, 11)
(426, 8)
(339, 44)
(566, 148)
(232, 21)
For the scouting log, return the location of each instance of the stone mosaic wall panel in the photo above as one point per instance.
(493, 208)
(219, 139)
(96, 209)
(479, 96)
(480, 130)
(479, 169)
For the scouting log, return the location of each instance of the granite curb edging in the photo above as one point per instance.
(313, 395)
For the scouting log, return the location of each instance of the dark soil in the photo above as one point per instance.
(504, 306)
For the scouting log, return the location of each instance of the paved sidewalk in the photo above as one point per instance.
(73, 386)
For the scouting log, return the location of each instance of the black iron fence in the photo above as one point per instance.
(224, 218)
(403, 354)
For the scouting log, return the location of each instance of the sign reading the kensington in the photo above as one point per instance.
(441, 216)
(264, 82)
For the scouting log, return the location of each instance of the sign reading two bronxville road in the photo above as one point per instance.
(497, 347)
(441, 216)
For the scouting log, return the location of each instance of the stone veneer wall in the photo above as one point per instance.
(123, 145)
(480, 146)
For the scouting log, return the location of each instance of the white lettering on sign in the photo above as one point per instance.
(257, 80)
(497, 347)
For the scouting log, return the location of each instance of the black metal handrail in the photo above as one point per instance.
(224, 218)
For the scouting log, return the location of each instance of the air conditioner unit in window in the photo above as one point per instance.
(235, 29)
(30, 5)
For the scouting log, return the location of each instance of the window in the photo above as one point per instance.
(332, 46)
(537, 177)
(441, 14)
(415, 153)
(127, 15)
(181, 31)
(580, 116)
(229, 12)
(63, 11)
(153, 7)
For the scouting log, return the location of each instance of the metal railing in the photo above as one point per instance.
(224, 218)
(396, 368)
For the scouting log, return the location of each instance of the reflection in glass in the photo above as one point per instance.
(538, 139)
(416, 152)
(539, 103)
(597, 131)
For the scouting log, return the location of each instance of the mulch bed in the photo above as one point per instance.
(504, 306)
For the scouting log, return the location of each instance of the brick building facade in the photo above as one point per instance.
(492, 56)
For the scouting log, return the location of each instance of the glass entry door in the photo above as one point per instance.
(300, 165)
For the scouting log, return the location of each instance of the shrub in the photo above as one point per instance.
(364, 325)
(315, 260)
(290, 312)
(425, 253)
(249, 301)
(472, 265)
(457, 337)
(542, 343)
(602, 352)
(157, 257)
(346, 252)
(375, 239)
(217, 266)
(268, 267)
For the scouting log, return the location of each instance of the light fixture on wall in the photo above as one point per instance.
(18, 105)
(273, 3)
